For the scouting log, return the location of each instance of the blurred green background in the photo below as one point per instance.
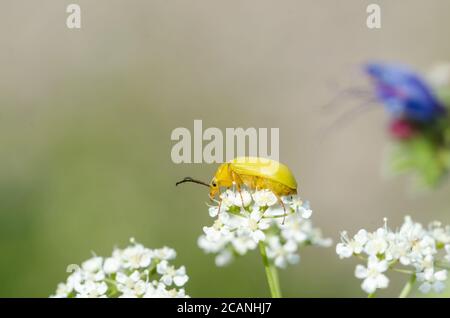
(86, 117)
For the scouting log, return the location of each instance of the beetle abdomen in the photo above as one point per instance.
(255, 182)
(264, 168)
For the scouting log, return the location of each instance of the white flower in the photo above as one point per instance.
(412, 245)
(92, 269)
(228, 199)
(344, 250)
(159, 290)
(131, 286)
(243, 198)
(305, 212)
(377, 243)
(243, 243)
(213, 211)
(373, 275)
(92, 265)
(424, 246)
(423, 263)
(165, 253)
(136, 256)
(210, 246)
(237, 230)
(295, 229)
(447, 250)
(265, 198)
(282, 254)
(439, 233)
(91, 289)
(255, 225)
(111, 265)
(128, 273)
(432, 280)
(224, 258)
(348, 247)
(171, 275)
(175, 293)
(63, 290)
(156, 290)
(315, 236)
(217, 232)
(303, 208)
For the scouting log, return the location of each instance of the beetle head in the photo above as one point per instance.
(213, 188)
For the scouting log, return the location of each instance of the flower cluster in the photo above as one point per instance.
(422, 252)
(418, 110)
(133, 272)
(247, 219)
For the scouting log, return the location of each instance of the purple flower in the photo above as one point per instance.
(404, 93)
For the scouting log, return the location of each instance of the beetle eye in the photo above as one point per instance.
(214, 184)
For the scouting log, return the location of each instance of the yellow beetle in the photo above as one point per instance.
(253, 172)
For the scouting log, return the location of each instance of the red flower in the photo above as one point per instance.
(402, 129)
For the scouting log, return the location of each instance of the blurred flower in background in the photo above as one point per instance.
(419, 120)
(133, 272)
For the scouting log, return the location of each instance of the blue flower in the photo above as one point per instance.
(404, 93)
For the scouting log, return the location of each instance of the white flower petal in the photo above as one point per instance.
(180, 280)
(361, 271)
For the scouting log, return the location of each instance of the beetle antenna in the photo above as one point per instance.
(189, 179)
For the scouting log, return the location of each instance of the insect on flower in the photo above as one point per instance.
(254, 173)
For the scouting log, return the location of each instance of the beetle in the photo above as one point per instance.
(254, 173)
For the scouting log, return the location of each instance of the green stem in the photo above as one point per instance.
(271, 273)
(443, 265)
(371, 295)
(403, 271)
(408, 287)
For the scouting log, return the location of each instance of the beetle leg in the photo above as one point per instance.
(220, 203)
(284, 208)
(242, 198)
(238, 186)
(218, 208)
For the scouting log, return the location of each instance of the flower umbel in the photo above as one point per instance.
(412, 249)
(241, 226)
(133, 272)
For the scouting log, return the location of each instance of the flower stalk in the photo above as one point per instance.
(408, 287)
(271, 273)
